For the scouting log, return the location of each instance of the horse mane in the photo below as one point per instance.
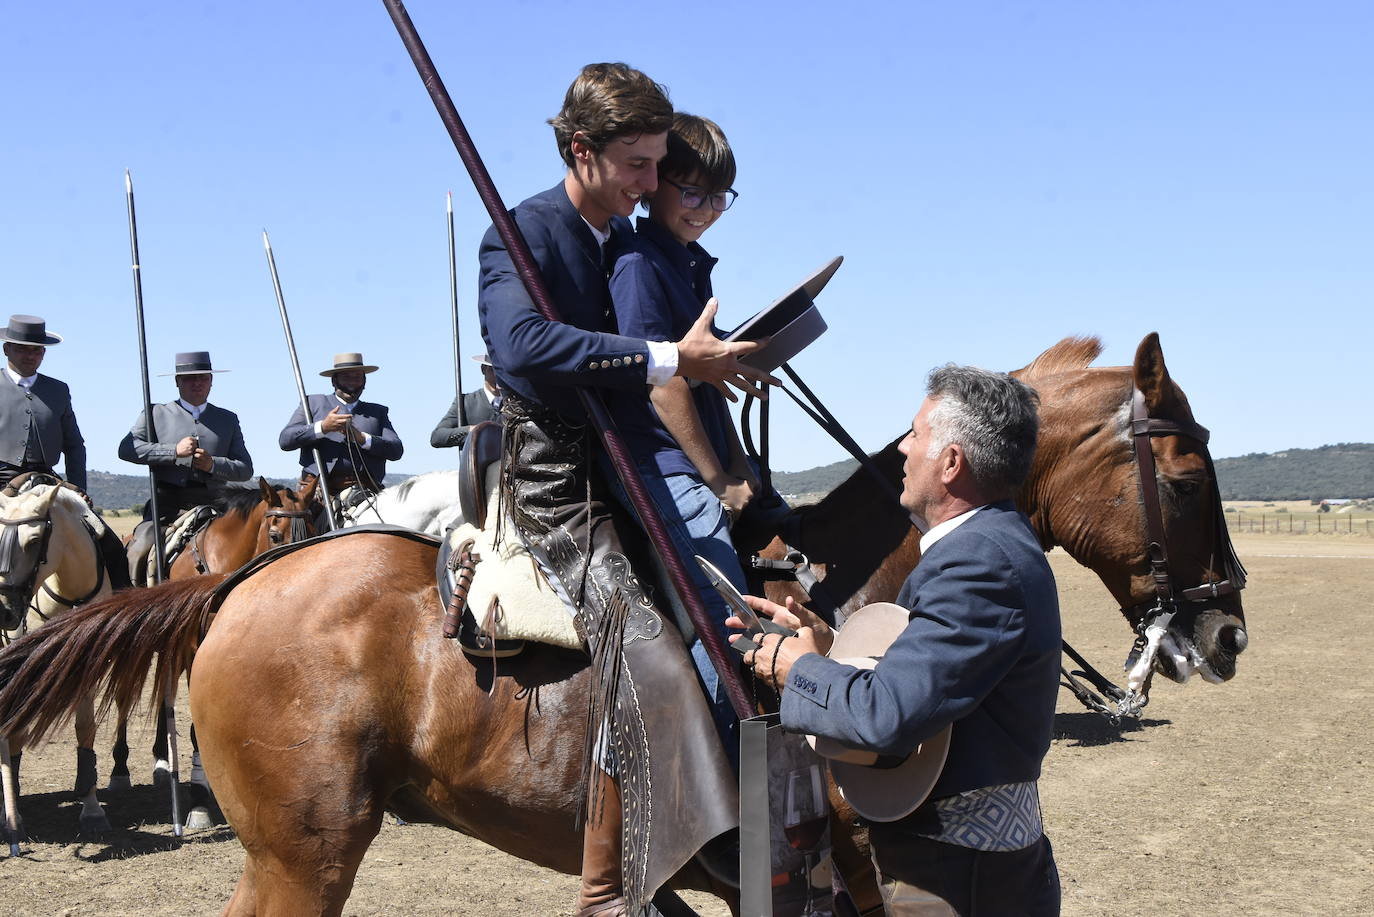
(403, 489)
(241, 500)
(1070, 353)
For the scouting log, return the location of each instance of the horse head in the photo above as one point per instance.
(1123, 481)
(288, 515)
(26, 529)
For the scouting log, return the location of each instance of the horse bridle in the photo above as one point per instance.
(9, 541)
(1151, 617)
(303, 514)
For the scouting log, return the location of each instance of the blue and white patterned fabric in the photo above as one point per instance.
(995, 818)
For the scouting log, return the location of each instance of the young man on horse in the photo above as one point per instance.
(199, 446)
(981, 652)
(355, 438)
(659, 786)
(37, 424)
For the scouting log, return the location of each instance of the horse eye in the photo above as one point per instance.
(1186, 488)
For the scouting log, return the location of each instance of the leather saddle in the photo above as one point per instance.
(480, 450)
(177, 536)
(457, 562)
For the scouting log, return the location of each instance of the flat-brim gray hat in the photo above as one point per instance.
(31, 330)
(193, 363)
(790, 323)
(879, 788)
(343, 362)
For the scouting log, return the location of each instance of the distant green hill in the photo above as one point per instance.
(1342, 470)
(130, 491)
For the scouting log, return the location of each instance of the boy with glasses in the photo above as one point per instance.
(683, 436)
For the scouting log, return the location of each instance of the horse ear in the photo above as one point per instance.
(1151, 375)
(269, 493)
(307, 493)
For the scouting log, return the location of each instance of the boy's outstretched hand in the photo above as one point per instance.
(702, 355)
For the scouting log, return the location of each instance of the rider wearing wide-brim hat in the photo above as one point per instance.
(194, 447)
(476, 407)
(37, 424)
(355, 438)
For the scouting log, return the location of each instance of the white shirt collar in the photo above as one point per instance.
(192, 409)
(601, 237)
(944, 528)
(26, 381)
(347, 406)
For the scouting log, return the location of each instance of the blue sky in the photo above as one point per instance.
(997, 176)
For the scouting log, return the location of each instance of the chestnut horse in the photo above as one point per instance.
(249, 521)
(325, 697)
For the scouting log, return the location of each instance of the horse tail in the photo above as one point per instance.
(45, 674)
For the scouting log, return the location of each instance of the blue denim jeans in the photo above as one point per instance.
(697, 523)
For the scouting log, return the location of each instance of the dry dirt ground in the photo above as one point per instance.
(1250, 798)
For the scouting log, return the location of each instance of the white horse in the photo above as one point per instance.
(425, 503)
(50, 562)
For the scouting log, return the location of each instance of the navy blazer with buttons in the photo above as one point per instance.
(540, 360)
(981, 651)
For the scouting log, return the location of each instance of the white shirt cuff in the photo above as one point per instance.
(662, 361)
(319, 428)
(367, 440)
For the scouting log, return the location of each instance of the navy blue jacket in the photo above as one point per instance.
(372, 419)
(541, 360)
(981, 651)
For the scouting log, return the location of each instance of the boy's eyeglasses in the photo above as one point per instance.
(692, 198)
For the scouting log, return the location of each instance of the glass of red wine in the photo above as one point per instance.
(805, 822)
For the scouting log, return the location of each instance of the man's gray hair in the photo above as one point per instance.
(992, 416)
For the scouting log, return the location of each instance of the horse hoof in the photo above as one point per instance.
(162, 774)
(119, 782)
(198, 819)
(94, 825)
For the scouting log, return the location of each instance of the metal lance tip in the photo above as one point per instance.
(128, 182)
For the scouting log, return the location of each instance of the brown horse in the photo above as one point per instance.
(324, 695)
(247, 522)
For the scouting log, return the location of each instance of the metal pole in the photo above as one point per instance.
(300, 383)
(453, 312)
(591, 400)
(158, 549)
(159, 558)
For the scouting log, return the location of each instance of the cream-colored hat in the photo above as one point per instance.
(879, 788)
(343, 362)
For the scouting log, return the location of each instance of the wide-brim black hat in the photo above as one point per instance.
(31, 330)
(193, 363)
(879, 789)
(343, 362)
(791, 323)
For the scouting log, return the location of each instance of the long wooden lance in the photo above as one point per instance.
(591, 400)
(169, 713)
(453, 314)
(300, 383)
